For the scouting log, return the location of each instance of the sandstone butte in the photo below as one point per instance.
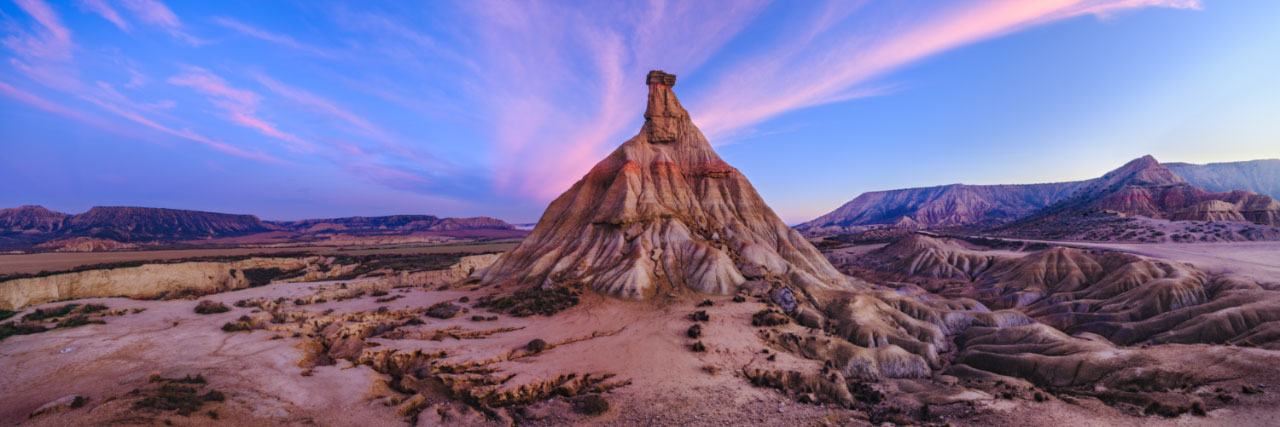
(662, 213)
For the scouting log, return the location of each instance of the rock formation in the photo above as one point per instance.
(1210, 210)
(662, 212)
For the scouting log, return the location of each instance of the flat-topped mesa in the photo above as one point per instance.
(663, 116)
(662, 212)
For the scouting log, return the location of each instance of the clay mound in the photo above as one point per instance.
(1124, 298)
(663, 211)
(925, 256)
(1210, 210)
(1259, 209)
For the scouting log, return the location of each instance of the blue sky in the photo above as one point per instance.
(317, 109)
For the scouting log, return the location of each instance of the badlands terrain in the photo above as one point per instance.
(660, 289)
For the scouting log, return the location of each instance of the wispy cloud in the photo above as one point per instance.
(240, 105)
(155, 13)
(50, 40)
(553, 128)
(800, 76)
(279, 39)
(55, 108)
(107, 12)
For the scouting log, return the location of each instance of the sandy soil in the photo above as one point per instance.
(58, 261)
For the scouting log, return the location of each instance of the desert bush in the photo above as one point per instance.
(20, 328)
(78, 320)
(769, 317)
(379, 293)
(528, 302)
(698, 347)
(93, 308)
(211, 307)
(739, 298)
(244, 323)
(536, 346)
(700, 316)
(706, 303)
(49, 313)
(593, 404)
(694, 331)
(443, 310)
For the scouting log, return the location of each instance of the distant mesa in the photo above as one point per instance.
(1142, 188)
(116, 228)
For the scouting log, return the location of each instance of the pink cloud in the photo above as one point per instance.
(52, 39)
(240, 105)
(49, 106)
(155, 13)
(279, 39)
(107, 12)
(783, 80)
(542, 146)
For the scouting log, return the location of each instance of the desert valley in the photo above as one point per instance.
(661, 289)
(472, 213)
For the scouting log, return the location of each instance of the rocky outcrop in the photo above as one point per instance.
(1210, 210)
(152, 280)
(30, 219)
(663, 211)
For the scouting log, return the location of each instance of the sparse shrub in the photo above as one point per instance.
(464, 299)
(180, 395)
(443, 310)
(706, 303)
(594, 404)
(388, 299)
(694, 331)
(20, 328)
(244, 323)
(698, 347)
(536, 346)
(769, 317)
(5, 314)
(49, 313)
(92, 308)
(379, 293)
(739, 298)
(211, 307)
(700, 316)
(528, 302)
(79, 402)
(78, 320)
